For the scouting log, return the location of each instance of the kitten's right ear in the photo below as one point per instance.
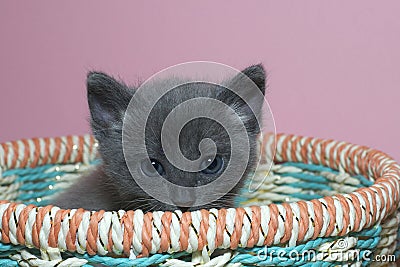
(107, 100)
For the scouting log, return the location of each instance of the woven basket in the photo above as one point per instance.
(324, 203)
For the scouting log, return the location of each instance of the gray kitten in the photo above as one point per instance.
(111, 187)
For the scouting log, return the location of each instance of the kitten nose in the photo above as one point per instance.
(183, 198)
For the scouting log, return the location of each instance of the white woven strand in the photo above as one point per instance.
(75, 148)
(103, 230)
(246, 227)
(278, 155)
(156, 240)
(21, 153)
(32, 149)
(281, 224)
(326, 217)
(42, 151)
(298, 151)
(29, 226)
(137, 232)
(265, 217)
(363, 220)
(117, 233)
(12, 224)
(289, 150)
(311, 213)
(355, 159)
(175, 231)
(328, 148)
(212, 229)
(352, 213)
(62, 149)
(194, 230)
(339, 216)
(309, 152)
(343, 157)
(25, 258)
(317, 153)
(81, 234)
(382, 211)
(64, 230)
(10, 155)
(229, 227)
(295, 222)
(372, 214)
(52, 146)
(86, 155)
(45, 231)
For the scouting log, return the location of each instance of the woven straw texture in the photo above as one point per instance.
(323, 203)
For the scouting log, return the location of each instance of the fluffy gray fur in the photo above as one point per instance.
(111, 187)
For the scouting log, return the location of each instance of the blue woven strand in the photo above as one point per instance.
(8, 247)
(5, 251)
(125, 262)
(305, 177)
(38, 170)
(305, 196)
(364, 181)
(37, 186)
(27, 171)
(39, 176)
(319, 168)
(311, 186)
(8, 263)
(29, 196)
(309, 167)
(373, 231)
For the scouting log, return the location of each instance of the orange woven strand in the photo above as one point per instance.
(237, 232)
(186, 220)
(273, 225)
(23, 216)
(166, 220)
(147, 233)
(221, 223)
(255, 226)
(288, 223)
(93, 232)
(127, 222)
(56, 227)
(304, 221)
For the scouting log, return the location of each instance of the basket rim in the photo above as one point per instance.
(126, 232)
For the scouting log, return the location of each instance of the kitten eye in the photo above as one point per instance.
(212, 166)
(152, 168)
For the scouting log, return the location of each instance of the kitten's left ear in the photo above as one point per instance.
(242, 84)
(256, 73)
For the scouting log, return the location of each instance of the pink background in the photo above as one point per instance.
(334, 66)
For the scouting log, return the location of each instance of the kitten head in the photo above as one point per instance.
(108, 101)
